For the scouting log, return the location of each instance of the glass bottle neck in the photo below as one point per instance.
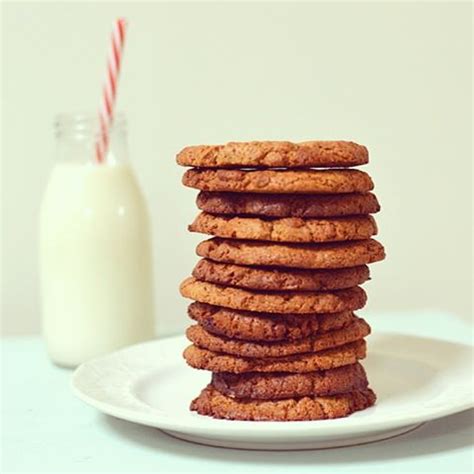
(77, 136)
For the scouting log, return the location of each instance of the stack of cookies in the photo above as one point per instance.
(279, 281)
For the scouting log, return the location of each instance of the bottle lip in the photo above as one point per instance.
(85, 124)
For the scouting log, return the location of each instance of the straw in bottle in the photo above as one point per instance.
(109, 90)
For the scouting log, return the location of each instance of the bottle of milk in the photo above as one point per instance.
(95, 248)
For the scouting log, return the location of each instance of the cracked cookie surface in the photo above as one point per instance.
(288, 229)
(273, 386)
(283, 205)
(213, 403)
(269, 154)
(358, 329)
(253, 326)
(279, 279)
(316, 256)
(274, 302)
(279, 181)
(301, 363)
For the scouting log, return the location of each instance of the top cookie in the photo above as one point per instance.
(274, 154)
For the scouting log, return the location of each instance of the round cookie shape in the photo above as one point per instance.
(270, 154)
(252, 326)
(213, 403)
(316, 256)
(300, 363)
(284, 205)
(287, 229)
(353, 332)
(279, 181)
(274, 302)
(270, 386)
(279, 279)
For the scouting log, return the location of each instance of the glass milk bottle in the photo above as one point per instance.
(95, 248)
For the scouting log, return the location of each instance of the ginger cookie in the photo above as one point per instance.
(273, 386)
(271, 154)
(252, 326)
(274, 302)
(300, 363)
(275, 279)
(287, 229)
(279, 181)
(353, 332)
(283, 205)
(213, 403)
(317, 256)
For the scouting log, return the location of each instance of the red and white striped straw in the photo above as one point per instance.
(109, 90)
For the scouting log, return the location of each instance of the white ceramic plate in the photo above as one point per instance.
(416, 380)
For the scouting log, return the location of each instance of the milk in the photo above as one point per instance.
(95, 260)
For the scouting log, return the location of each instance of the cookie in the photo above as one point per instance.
(300, 363)
(318, 256)
(252, 326)
(270, 154)
(353, 332)
(279, 181)
(274, 279)
(213, 403)
(284, 385)
(283, 205)
(287, 229)
(274, 302)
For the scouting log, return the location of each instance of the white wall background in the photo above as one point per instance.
(395, 77)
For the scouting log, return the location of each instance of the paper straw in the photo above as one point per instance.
(109, 90)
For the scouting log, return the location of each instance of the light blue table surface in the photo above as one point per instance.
(46, 429)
